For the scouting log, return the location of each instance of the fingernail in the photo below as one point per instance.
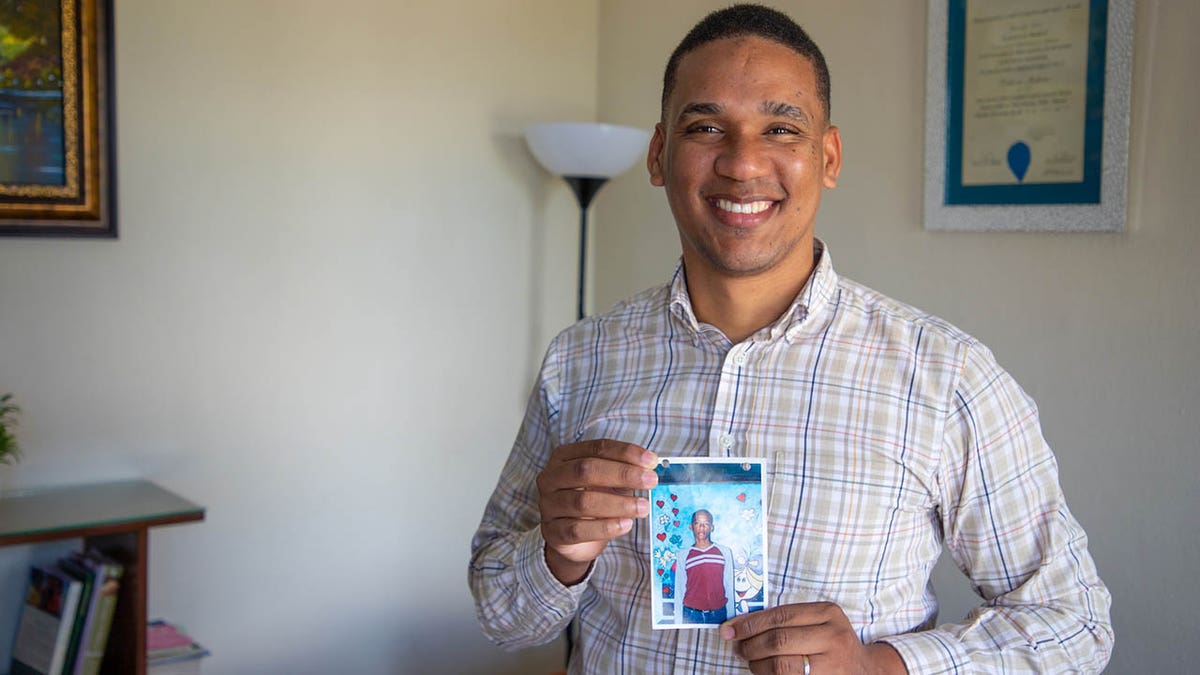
(643, 508)
(726, 632)
(649, 459)
(649, 479)
(625, 524)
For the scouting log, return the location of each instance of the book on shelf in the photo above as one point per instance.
(47, 621)
(97, 622)
(87, 577)
(171, 651)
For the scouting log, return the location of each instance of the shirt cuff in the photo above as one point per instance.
(544, 588)
(929, 652)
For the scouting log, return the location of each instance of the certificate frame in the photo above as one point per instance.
(1097, 203)
(60, 179)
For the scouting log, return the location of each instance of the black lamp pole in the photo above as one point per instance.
(585, 188)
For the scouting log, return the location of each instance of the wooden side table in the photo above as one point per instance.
(114, 518)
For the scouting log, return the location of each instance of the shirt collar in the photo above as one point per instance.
(815, 294)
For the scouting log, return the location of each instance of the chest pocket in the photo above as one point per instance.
(847, 521)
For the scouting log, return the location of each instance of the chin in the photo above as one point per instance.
(739, 266)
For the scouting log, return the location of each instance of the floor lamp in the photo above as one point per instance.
(586, 155)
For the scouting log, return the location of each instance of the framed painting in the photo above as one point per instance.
(1027, 114)
(57, 141)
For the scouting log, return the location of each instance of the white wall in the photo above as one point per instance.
(332, 286)
(311, 194)
(1102, 329)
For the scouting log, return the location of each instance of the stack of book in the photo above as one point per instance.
(67, 616)
(170, 651)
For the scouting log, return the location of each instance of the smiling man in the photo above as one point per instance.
(890, 434)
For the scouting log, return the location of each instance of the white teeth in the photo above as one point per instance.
(737, 207)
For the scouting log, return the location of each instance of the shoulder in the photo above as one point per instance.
(640, 320)
(880, 321)
(641, 316)
(887, 312)
(949, 362)
(971, 371)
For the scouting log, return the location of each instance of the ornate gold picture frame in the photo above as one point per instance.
(57, 141)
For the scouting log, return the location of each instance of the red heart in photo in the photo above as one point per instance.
(741, 497)
(662, 536)
(660, 503)
(661, 571)
(666, 590)
(676, 523)
(675, 511)
(674, 497)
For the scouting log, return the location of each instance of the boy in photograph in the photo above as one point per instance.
(704, 577)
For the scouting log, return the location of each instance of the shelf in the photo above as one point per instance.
(116, 519)
(89, 510)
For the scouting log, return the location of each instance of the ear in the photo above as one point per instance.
(654, 158)
(832, 146)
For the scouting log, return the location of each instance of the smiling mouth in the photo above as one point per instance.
(746, 207)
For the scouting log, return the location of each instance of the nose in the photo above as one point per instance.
(742, 157)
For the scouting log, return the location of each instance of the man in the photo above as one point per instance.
(889, 433)
(704, 577)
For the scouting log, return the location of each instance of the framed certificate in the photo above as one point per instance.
(1027, 114)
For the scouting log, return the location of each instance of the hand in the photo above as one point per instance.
(585, 496)
(776, 640)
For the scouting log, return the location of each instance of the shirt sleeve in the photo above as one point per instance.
(1006, 525)
(681, 582)
(518, 600)
(730, 592)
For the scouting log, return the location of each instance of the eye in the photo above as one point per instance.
(781, 131)
(703, 128)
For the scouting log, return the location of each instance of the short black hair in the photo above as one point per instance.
(750, 20)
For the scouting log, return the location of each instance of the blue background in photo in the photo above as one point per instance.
(736, 523)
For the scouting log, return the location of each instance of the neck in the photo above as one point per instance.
(741, 306)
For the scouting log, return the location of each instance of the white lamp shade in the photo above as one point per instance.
(586, 149)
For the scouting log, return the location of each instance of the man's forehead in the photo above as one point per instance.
(740, 65)
(743, 50)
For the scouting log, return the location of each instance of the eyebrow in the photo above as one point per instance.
(694, 109)
(785, 110)
(771, 108)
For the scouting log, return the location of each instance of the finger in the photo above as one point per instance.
(800, 614)
(790, 641)
(595, 472)
(604, 448)
(616, 491)
(780, 664)
(600, 503)
(567, 531)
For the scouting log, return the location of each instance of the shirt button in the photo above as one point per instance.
(727, 441)
(740, 359)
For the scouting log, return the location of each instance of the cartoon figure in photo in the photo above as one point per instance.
(748, 581)
(704, 589)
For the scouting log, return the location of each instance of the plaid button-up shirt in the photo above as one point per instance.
(889, 435)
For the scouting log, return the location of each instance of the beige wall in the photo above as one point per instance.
(311, 195)
(1102, 329)
(331, 288)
